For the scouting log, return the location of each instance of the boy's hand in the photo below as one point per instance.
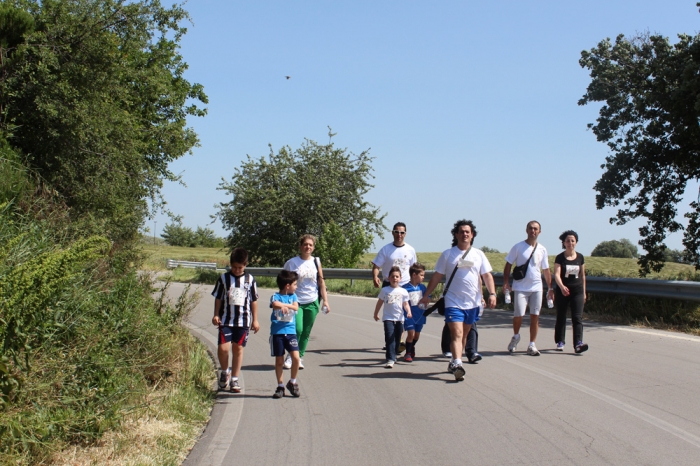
(255, 326)
(376, 316)
(216, 321)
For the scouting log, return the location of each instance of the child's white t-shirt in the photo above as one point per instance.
(393, 302)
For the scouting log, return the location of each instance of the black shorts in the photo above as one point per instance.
(237, 335)
(280, 343)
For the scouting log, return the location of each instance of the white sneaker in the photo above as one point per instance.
(532, 350)
(513, 343)
(389, 364)
(287, 361)
(301, 363)
(447, 354)
(224, 379)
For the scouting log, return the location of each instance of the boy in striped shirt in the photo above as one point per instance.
(235, 313)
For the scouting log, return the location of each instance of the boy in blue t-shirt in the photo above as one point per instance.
(283, 330)
(414, 325)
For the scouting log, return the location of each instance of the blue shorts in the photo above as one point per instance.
(466, 316)
(414, 324)
(280, 343)
(237, 335)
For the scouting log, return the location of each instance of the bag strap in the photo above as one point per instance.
(532, 253)
(455, 271)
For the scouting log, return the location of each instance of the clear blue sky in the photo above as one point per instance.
(470, 108)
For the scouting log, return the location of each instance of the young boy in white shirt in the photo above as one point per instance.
(395, 302)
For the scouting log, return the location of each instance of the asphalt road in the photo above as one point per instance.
(631, 399)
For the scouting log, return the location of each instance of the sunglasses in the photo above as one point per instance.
(397, 232)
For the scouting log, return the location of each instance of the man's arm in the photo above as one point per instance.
(375, 275)
(506, 276)
(434, 280)
(491, 288)
(548, 278)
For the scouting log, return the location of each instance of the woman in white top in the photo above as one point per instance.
(309, 286)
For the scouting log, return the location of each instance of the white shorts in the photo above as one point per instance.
(524, 298)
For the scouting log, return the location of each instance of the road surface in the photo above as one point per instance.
(633, 398)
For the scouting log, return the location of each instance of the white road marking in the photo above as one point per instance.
(660, 334)
(233, 408)
(638, 413)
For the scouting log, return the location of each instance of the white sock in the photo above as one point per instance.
(293, 380)
(227, 370)
(532, 343)
(458, 362)
(233, 379)
(280, 385)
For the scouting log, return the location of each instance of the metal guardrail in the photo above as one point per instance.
(664, 289)
(172, 264)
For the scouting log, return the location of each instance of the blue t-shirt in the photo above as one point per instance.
(415, 294)
(283, 327)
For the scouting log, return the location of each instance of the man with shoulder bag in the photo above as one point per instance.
(462, 265)
(532, 262)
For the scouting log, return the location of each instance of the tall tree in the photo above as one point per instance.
(650, 88)
(278, 198)
(95, 102)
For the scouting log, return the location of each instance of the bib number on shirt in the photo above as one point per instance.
(572, 270)
(237, 296)
(414, 297)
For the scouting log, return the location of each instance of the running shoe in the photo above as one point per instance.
(447, 354)
(474, 358)
(458, 372)
(301, 363)
(513, 343)
(451, 367)
(293, 389)
(389, 364)
(560, 346)
(235, 388)
(408, 357)
(402, 347)
(532, 350)
(279, 393)
(224, 379)
(581, 347)
(287, 361)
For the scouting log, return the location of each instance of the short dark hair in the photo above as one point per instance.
(399, 224)
(286, 277)
(394, 269)
(416, 268)
(534, 221)
(563, 236)
(239, 256)
(458, 225)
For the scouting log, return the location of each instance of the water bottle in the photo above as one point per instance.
(324, 309)
(550, 303)
(507, 295)
(422, 306)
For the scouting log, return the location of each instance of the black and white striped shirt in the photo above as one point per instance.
(236, 295)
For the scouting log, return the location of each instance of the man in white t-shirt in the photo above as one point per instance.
(528, 290)
(465, 265)
(396, 254)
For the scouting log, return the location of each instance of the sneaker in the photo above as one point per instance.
(408, 357)
(402, 347)
(580, 347)
(560, 346)
(458, 371)
(384, 348)
(447, 354)
(389, 364)
(532, 350)
(287, 361)
(235, 388)
(474, 358)
(279, 393)
(451, 367)
(301, 363)
(413, 352)
(293, 389)
(224, 379)
(513, 343)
